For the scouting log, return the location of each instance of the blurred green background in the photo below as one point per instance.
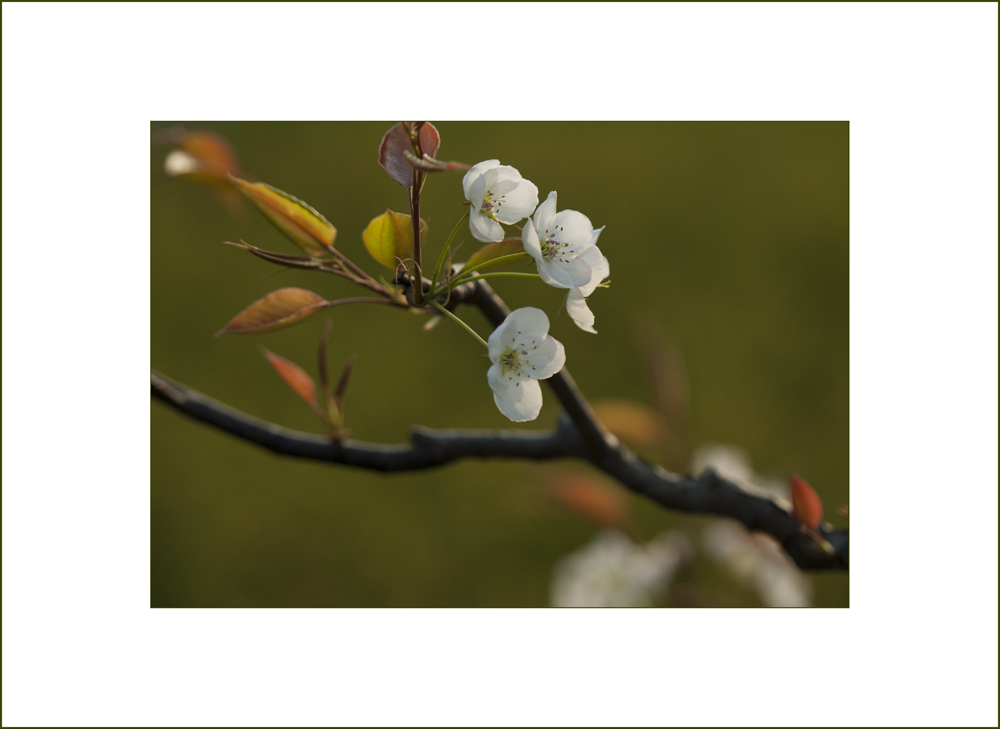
(728, 241)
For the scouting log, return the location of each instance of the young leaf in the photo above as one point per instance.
(324, 370)
(345, 379)
(592, 499)
(277, 310)
(294, 376)
(305, 227)
(430, 140)
(806, 504)
(638, 425)
(490, 251)
(389, 238)
(282, 259)
(202, 156)
(395, 144)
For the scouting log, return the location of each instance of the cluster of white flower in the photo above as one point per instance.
(564, 247)
(614, 571)
(754, 559)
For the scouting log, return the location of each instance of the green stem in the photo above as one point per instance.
(461, 323)
(491, 262)
(447, 247)
(458, 280)
(509, 274)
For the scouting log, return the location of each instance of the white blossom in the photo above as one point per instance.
(522, 353)
(179, 162)
(576, 302)
(497, 194)
(613, 571)
(557, 242)
(755, 559)
(758, 562)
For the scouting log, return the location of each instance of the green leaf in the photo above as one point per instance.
(278, 310)
(389, 238)
(487, 253)
(305, 227)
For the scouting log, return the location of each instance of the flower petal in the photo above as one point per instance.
(527, 322)
(579, 312)
(518, 203)
(600, 269)
(502, 179)
(498, 383)
(475, 192)
(521, 401)
(499, 339)
(546, 212)
(574, 228)
(547, 359)
(529, 238)
(475, 173)
(597, 234)
(564, 275)
(485, 229)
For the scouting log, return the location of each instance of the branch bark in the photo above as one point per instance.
(579, 434)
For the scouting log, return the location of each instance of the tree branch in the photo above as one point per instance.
(706, 494)
(428, 448)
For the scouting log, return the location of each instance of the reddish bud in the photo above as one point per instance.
(806, 504)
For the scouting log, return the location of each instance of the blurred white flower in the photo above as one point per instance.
(733, 464)
(498, 194)
(613, 571)
(755, 559)
(522, 353)
(730, 462)
(758, 562)
(179, 162)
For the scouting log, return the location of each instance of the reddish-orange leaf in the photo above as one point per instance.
(390, 154)
(278, 310)
(430, 140)
(396, 142)
(294, 376)
(213, 151)
(806, 504)
(591, 499)
(204, 157)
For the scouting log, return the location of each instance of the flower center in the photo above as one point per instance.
(553, 249)
(510, 361)
(491, 205)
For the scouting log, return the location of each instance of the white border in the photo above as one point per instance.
(919, 86)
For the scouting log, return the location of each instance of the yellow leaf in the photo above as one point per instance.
(305, 227)
(389, 238)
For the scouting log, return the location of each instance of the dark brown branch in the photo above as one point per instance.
(707, 494)
(579, 435)
(427, 449)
